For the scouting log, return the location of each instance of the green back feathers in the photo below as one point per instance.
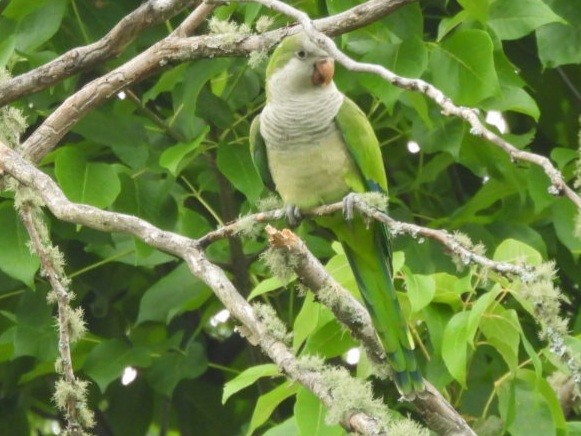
(362, 144)
(258, 154)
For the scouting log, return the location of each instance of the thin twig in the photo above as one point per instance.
(558, 184)
(77, 415)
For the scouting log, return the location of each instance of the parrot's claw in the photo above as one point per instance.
(293, 215)
(349, 206)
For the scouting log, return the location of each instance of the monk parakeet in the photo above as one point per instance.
(314, 146)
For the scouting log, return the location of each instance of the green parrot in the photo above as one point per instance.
(313, 145)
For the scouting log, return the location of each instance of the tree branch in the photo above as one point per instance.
(255, 331)
(558, 184)
(71, 393)
(536, 284)
(78, 59)
(174, 49)
(439, 415)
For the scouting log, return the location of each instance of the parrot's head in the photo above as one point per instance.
(298, 65)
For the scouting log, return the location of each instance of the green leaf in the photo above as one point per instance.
(191, 224)
(176, 157)
(462, 66)
(477, 9)
(538, 189)
(125, 136)
(198, 411)
(573, 428)
(311, 316)
(330, 340)
(563, 213)
(513, 19)
(397, 262)
(15, 257)
(286, 428)
(558, 43)
(447, 25)
(235, 163)
(17, 9)
(108, 359)
(268, 402)
(513, 98)
(166, 82)
(185, 95)
(267, 285)
(7, 46)
(173, 294)
(86, 182)
(338, 267)
(477, 311)
(248, 377)
(36, 333)
(436, 317)
(310, 415)
(529, 406)
(406, 22)
(454, 345)
(420, 289)
(513, 251)
(169, 369)
(502, 330)
(408, 58)
(563, 156)
(39, 26)
(537, 364)
(442, 134)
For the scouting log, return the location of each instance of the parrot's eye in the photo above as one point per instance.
(301, 54)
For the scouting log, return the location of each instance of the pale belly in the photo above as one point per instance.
(310, 174)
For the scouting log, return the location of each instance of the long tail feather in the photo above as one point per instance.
(369, 255)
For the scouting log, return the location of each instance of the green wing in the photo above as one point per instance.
(369, 252)
(258, 154)
(362, 144)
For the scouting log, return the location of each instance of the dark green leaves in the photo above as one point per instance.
(559, 42)
(173, 294)
(512, 19)
(235, 163)
(15, 257)
(108, 359)
(93, 183)
(169, 369)
(462, 66)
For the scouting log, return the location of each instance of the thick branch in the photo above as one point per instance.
(253, 328)
(82, 58)
(172, 50)
(440, 416)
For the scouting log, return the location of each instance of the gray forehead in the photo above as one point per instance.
(310, 46)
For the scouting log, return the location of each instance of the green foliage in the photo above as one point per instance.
(177, 155)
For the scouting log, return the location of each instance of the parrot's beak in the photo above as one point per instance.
(323, 71)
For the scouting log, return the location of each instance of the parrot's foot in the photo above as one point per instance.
(349, 206)
(293, 215)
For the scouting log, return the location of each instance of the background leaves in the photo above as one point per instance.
(173, 150)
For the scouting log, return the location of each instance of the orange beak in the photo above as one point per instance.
(323, 71)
